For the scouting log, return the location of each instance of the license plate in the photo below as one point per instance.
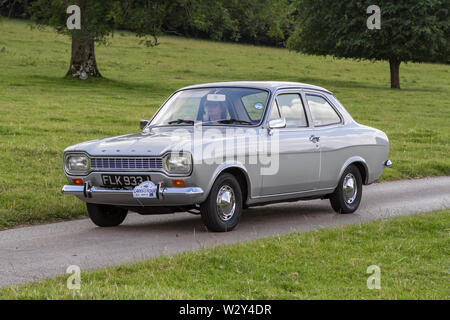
(118, 180)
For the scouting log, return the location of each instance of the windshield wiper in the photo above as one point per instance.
(226, 121)
(178, 121)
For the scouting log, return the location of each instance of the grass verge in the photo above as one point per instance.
(412, 253)
(42, 112)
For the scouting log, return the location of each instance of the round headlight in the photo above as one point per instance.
(77, 163)
(178, 163)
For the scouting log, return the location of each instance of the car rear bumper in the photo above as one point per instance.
(164, 196)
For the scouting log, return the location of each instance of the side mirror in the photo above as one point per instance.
(144, 123)
(277, 123)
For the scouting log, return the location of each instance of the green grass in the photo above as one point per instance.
(42, 113)
(412, 253)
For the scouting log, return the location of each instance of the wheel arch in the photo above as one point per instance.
(362, 166)
(239, 172)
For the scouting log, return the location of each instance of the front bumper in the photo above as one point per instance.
(165, 196)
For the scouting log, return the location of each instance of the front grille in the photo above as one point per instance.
(135, 163)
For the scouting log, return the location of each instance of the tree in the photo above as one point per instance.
(96, 25)
(99, 18)
(411, 30)
(266, 22)
(200, 19)
(144, 17)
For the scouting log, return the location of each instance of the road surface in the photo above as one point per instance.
(36, 252)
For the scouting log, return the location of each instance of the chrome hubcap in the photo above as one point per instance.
(350, 188)
(226, 203)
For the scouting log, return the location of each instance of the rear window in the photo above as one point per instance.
(322, 112)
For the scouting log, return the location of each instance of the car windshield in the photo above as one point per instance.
(213, 106)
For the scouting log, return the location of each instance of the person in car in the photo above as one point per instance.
(215, 111)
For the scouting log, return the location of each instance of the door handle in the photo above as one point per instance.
(314, 139)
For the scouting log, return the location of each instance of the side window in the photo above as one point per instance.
(291, 108)
(322, 112)
(274, 113)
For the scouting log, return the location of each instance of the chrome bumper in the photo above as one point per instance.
(164, 196)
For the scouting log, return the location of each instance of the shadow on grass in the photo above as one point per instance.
(163, 88)
(99, 83)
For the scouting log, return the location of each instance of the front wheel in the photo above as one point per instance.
(223, 208)
(106, 216)
(347, 195)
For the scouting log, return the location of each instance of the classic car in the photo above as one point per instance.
(216, 149)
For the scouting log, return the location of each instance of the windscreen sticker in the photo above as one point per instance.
(216, 97)
(258, 106)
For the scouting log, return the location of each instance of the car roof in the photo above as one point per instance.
(267, 85)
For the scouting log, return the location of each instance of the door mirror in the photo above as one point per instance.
(277, 123)
(144, 123)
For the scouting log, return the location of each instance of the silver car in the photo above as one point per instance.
(215, 149)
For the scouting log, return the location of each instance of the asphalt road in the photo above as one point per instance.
(36, 252)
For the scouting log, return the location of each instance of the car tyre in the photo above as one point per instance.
(347, 195)
(105, 215)
(223, 208)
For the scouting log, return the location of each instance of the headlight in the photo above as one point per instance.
(77, 163)
(178, 163)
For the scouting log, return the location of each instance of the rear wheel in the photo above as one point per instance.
(347, 195)
(223, 208)
(106, 216)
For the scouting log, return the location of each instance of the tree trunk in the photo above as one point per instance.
(11, 9)
(395, 73)
(82, 63)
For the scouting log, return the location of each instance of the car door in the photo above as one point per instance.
(298, 155)
(334, 140)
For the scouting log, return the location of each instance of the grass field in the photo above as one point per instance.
(411, 252)
(41, 113)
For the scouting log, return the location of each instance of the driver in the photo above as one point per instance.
(215, 111)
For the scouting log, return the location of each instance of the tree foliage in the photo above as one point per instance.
(411, 30)
(267, 22)
(14, 8)
(96, 17)
(252, 21)
(143, 17)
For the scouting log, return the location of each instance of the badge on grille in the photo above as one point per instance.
(146, 189)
